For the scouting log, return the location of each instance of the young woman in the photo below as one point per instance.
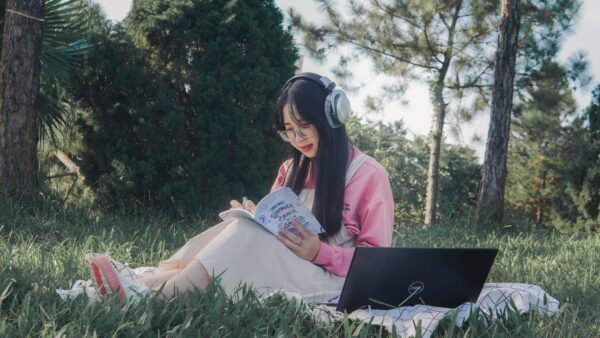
(348, 192)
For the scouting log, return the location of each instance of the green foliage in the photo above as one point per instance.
(406, 163)
(580, 161)
(450, 42)
(179, 104)
(553, 156)
(460, 176)
(537, 139)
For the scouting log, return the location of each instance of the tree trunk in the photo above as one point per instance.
(539, 213)
(490, 204)
(437, 128)
(435, 143)
(19, 89)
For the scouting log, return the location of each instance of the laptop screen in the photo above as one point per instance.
(385, 278)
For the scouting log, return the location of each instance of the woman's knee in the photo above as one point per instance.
(172, 264)
(196, 274)
(247, 227)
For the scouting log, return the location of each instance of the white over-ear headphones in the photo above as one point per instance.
(337, 105)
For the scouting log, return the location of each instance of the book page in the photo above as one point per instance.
(278, 209)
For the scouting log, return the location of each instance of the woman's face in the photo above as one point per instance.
(308, 145)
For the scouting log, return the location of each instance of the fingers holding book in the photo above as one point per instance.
(305, 246)
(246, 204)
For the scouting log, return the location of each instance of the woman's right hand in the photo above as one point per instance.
(249, 205)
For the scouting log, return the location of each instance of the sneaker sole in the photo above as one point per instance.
(107, 270)
(98, 278)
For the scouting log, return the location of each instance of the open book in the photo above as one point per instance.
(276, 211)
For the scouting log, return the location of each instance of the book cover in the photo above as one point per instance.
(276, 211)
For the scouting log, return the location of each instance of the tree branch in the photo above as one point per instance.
(377, 4)
(477, 36)
(449, 51)
(434, 51)
(352, 42)
(466, 86)
(471, 84)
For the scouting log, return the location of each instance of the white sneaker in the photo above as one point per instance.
(111, 277)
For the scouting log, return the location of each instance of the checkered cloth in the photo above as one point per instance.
(495, 300)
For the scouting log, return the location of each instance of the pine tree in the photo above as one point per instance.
(578, 203)
(490, 204)
(538, 142)
(446, 44)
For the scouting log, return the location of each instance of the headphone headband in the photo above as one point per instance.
(325, 82)
(337, 105)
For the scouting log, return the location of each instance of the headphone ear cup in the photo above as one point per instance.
(330, 112)
(340, 107)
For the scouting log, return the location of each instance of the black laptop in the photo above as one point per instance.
(384, 278)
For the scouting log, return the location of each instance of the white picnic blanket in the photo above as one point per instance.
(494, 300)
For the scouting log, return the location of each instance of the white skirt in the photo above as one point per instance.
(241, 252)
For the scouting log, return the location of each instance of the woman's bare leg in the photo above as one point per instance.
(194, 275)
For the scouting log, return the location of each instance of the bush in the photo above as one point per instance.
(178, 104)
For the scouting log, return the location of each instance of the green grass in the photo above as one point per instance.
(41, 244)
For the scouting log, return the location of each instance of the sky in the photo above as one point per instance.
(416, 110)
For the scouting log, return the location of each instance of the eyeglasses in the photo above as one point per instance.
(300, 133)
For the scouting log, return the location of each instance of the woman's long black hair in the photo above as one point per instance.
(306, 101)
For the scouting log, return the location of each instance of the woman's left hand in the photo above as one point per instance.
(306, 246)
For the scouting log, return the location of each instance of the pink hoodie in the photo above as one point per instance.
(368, 213)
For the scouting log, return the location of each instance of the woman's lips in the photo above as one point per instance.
(306, 148)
